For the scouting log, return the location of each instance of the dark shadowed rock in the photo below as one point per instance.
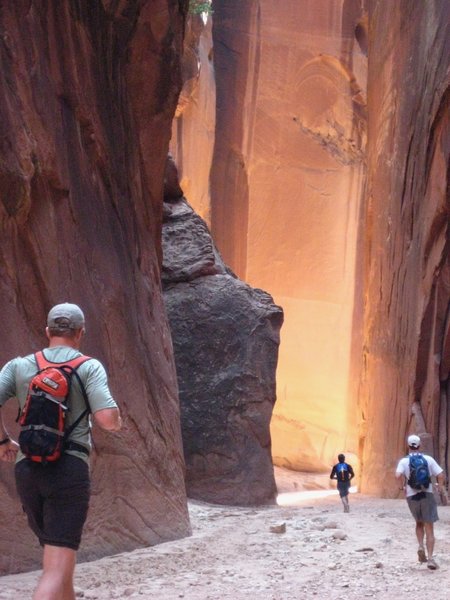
(172, 189)
(189, 251)
(225, 336)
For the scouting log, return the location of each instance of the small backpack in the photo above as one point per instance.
(43, 436)
(342, 473)
(419, 472)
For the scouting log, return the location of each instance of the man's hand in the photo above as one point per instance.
(8, 452)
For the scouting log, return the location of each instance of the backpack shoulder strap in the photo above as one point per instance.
(41, 361)
(74, 364)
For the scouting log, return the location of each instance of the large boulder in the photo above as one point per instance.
(225, 336)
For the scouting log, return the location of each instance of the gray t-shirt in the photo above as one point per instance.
(17, 373)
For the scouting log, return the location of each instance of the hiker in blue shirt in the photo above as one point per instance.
(343, 472)
(415, 471)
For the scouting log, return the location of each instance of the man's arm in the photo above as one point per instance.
(8, 447)
(399, 474)
(104, 409)
(108, 419)
(351, 472)
(440, 481)
(333, 473)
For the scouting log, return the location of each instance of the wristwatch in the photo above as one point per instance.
(5, 441)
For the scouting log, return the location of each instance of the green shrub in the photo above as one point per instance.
(197, 7)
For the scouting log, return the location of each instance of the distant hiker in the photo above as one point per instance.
(417, 469)
(343, 472)
(52, 477)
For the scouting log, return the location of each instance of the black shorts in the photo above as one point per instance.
(343, 487)
(55, 498)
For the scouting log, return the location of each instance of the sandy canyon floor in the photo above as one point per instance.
(233, 554)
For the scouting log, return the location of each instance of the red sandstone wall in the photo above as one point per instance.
(87, 95)
(407, 270)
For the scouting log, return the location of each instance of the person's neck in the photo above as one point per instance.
(63, 341)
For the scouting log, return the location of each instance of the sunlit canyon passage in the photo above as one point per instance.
(273, 149)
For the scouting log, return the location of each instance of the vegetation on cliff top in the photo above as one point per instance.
(197, 7)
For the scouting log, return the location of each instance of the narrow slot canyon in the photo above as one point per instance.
(250, 202)
(272, 146)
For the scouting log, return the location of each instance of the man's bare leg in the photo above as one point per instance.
(420, 532)
(429, 536)
(56, 582)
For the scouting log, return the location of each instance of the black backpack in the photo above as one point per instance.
(43, 435)
(419, 472)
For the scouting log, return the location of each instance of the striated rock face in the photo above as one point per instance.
(225, 336)
(87, 94)
(286, 194)
(405, 380)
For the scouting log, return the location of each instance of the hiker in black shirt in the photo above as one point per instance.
(343, 472)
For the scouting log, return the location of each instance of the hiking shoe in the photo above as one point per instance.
(432, 564)
(421, 555)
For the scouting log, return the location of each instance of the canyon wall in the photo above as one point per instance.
(193, 129)
(405, 379)
(286, 193)
(88, 91)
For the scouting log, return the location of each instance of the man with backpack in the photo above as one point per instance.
(343, 472)
(417, 469)
(56, 389)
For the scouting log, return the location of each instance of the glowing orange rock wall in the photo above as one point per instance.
(286, 187)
